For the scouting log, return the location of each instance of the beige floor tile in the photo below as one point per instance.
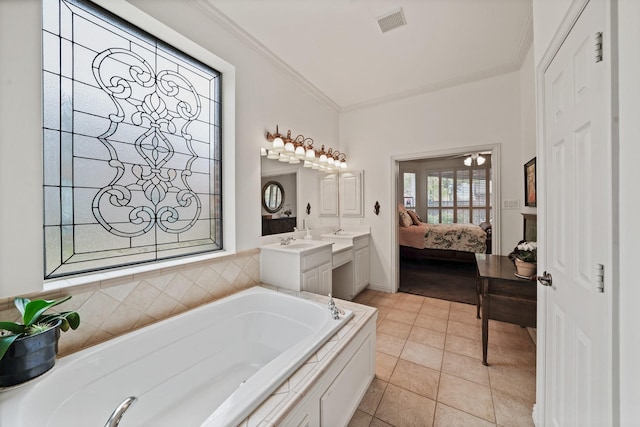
(516, 382)
(447, 416)
(402, 316)
(463, 346)
(519, 340)
(376, 422)
(466, 396)
(400, 407)
(434, 302)
(389, 344)
(427, 336)
(416, 378)
(410, 297)
(421, 354)
(464, 308)
(409, 306)
(512, 411)
(465, 330)
(503, 326)
(465, 367)
(434, 311)
(385, 365)
(466, 318)
(430, 322)
(395, 328)
(503, 356)
(382, 301)
(360, 419)
(372, 397)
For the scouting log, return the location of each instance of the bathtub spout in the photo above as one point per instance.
(117, 414)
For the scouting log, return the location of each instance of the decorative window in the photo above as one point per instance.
(132, 149)
(459, 195)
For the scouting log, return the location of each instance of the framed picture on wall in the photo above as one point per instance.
(408, 202)
(530, 183)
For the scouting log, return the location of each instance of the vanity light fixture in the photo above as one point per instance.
(294, 150)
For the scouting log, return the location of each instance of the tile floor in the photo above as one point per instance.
(429, 368)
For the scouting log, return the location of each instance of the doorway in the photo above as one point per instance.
(397, 195)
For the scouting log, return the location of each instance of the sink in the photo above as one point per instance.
(344, 235)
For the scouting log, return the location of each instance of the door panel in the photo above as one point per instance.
(577, 222)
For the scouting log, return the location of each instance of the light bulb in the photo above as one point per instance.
(283, 158)
(278, 145)
(480, 160)
(299, 153)
(263, 151)
(468, 161)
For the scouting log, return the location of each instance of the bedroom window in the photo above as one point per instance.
(409, 190)
(132, 144)
(459, 195)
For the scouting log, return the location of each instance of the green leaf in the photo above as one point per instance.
(5, 343)
(73, 318)
(21, 303)
(15, 328)
(34, 309)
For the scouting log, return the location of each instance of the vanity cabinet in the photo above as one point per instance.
(329, 195)
(351, 269)
(317, 279)
(351, 192)
(299, 266)
(361, 270)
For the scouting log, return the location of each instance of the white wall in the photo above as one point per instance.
(478, 113)
(265, 96)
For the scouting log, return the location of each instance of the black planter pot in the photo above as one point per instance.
(29, 357)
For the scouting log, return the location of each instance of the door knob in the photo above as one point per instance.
(545, 279)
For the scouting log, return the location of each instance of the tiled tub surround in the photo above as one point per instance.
(112, 307)
(206, 370)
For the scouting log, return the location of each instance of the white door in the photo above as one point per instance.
(577, 222)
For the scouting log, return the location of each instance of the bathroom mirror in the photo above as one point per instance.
(272, 196)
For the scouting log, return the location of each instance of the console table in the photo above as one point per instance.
(503, 296)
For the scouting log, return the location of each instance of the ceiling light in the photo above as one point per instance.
(468, 161)
(480, 160)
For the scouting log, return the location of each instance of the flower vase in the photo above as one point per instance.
(524, 268)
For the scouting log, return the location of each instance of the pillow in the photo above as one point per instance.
(414, 217)
(405, 219)
(401, 208)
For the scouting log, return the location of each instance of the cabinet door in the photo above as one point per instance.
(311, 281)
(326, 278)
(329, 195)
(351, 190)
(361, 259)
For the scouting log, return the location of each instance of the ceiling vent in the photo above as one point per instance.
(392, 20)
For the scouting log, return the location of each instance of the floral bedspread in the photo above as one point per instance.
(455, 237)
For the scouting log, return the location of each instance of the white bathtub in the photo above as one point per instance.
(211, 366)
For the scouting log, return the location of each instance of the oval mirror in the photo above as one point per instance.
(272, 196)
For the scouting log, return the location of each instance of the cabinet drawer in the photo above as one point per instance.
(342, 258)
(525, 290)
(361, 242)
(513, 310)
(316, 259)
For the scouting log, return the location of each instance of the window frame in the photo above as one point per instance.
(155, 28)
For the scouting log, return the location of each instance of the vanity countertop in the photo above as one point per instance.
(298, 246)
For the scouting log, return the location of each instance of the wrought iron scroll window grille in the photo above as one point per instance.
(132, 149)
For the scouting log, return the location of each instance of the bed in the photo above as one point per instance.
(456, 242)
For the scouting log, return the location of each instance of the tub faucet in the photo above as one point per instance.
(117, 414)
(333, 309)
(286, 241)
(338, 231)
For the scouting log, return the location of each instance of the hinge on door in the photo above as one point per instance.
(600, 277)
(598, 47)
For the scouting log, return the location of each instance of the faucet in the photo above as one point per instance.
(333, 309)
(286, 241)
(338, 231)
(117, 414)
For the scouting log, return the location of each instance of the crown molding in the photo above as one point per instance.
(525, 42)
(444, 84)
(253, 43)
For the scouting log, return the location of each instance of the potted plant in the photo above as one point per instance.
(525, 256)
(29, 349)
